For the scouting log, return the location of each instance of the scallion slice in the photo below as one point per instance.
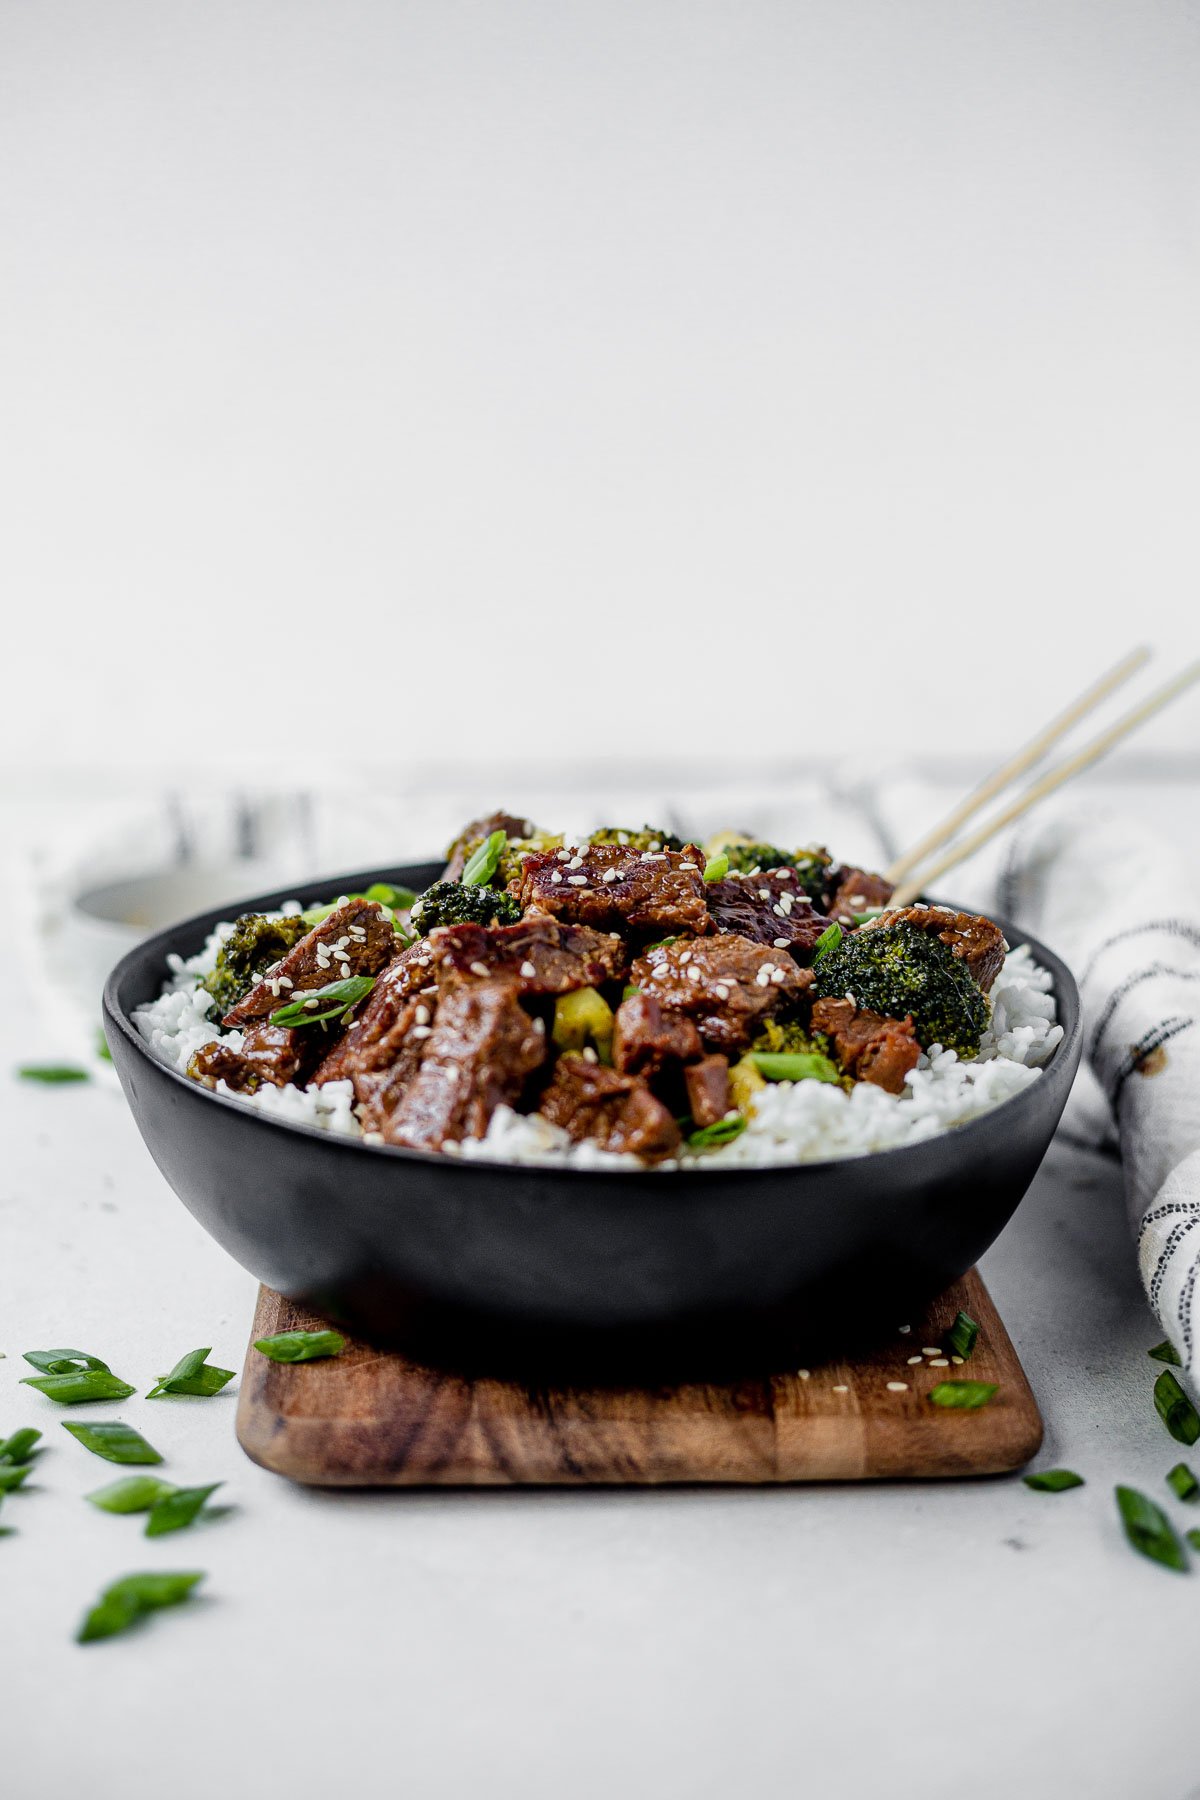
(116, 1442)
(17, 1448)
(828, 941)
(1149, 1530)
(960, 1339)
(52, 1074)
(716, 868)
(131, 1494)
(129, 1599)
(1181, 1480)
(1166, 1352)
(968, 1395)
(192, 1375)
(1175, 1409)
(315, 1004)
(13, 1475)
(798, 1065)
(301, 1346)
(177, 1508)
(63, 1362)
(1053, 1481)
(485, 860)
(723, 1131)
(85, 1384)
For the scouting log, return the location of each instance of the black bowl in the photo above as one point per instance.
(496, 1266)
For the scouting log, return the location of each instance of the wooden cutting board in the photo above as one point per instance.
(369, 1418)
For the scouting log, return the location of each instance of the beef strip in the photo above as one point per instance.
(383, 1071)
(614, 884)
(270, 1053)
(868, 1045)
(460, 849)
(854, 891)
(768, 909)
(364, 1045)
(616, 1111)
(708, 1089)
(726, 983)
(547, 956)
(481, 1049)
(978, 942)
(355, 939)
(646, 1039)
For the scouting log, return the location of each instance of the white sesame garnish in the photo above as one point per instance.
(762, 979)
(312, 1005)
(932, 1349)
(787, 901)
(285, 981)
(804, 1374)
(841, 1388)
(575, 862)
(764, 893)
(612, 875)
(690, 865)
(913, 1359)
(721, 991)
(779, 912)
(539, 1025)
(421, 1015)
(556, 877)
(957, 1361)
(528, 970)
(480, 968)
(897, 1387)
(421, 1031)
(778, 976)
(563, 855)
(939, 1362)
(693, 972)
(779, 943)
(577, 880)
(589, 1055)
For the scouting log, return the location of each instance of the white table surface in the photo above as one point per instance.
(904, 1639)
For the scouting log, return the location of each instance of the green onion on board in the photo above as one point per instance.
(1166, 1352)
(63, 1362)
(1182, 1482)
(52, 1074)
(76, 1389)
(176, 1509)
(13, 1476)
(129, 1599)
(967, 1395)
(301, 1346)
(131, 1494)
(1149, 1530)
(960, 1339)
(116, 1442)
(18, 1447)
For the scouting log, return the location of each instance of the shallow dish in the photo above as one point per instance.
(496, 1265)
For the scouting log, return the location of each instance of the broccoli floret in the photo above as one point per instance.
(787, 1037)
(450, 903)
(896, 969)
(247, 953)
(810, 865)
(508, 869)
(650, 837)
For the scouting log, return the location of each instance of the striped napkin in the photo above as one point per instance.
(1122, 909)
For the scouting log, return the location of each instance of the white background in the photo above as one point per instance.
(588, 379)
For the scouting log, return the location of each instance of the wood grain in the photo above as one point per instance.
(370, 1418)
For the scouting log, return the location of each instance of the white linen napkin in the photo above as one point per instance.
(1120, 906)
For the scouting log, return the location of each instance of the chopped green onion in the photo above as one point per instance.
(397, 899)
(716, 868)
(339, 996)
(724, 1131)
(191, 1375)
(969, 1395)
(483, 863)
(864, 918)
(126, 1601)
(115, 1442)
(87, 1384)
(960, 1339)
(661, 943)
(1193, 1537)
(1053, 1481)
(102, 1049)
(178, 1508)
(52, 1072)
(798, 1065)
(132, 1494)
(1149, 1530)
(301, 1346)
(63, 1362)
(1167, 1353)
(17, 1448)
(829, 940)
(12, 1476)
(630, 991)
(1175, 1409)
(1183, 1482)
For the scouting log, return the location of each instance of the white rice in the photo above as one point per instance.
(803, 1121)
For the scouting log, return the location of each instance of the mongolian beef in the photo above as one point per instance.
(629, 995)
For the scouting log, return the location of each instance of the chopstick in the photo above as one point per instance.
(1052, 779)
(1016, 765)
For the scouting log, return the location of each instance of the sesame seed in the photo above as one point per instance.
(539, 1025)
(556, 877)
(421, 1031)
(612, 875)
(957, 1361)
(904, 1330)
(721, 991)
(563, 855)
(577, 880)
(311, 1005)
(764, 893)
(804, 1374)
(932, 1349)
(690, 865)
(693, 973)
(528, 971)
(913, 1359)
(841, 1388)
(897, 1387)
(787, 901)
(779, 943)
(939, 1362)
(762, 979)
(285, 981)
(575, 862)
(589, 1055)
(480, 968)
(778, 911)
(778, 976)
